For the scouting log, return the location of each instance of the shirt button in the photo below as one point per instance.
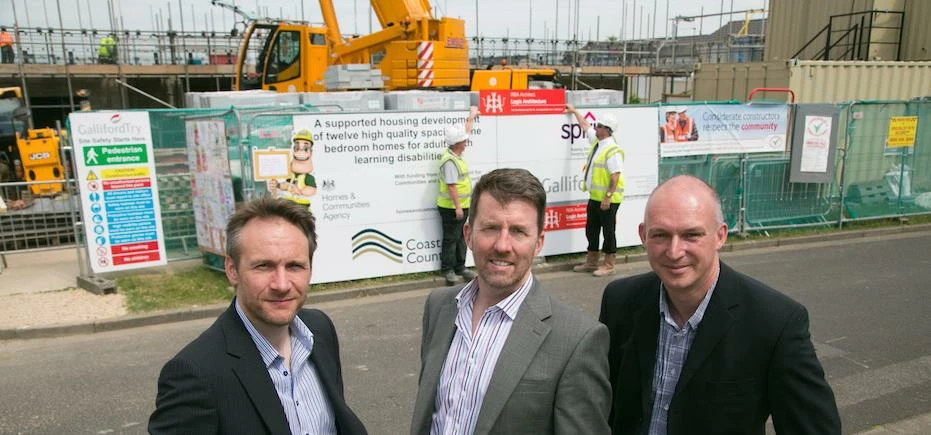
(286, 373)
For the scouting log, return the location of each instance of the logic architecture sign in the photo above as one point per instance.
(116, 176)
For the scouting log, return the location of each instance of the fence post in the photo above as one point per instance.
(843, 170)
(742, 194)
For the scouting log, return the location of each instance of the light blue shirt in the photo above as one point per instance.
(672, 348)
(300, 391)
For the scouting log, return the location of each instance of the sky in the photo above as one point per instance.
(589, 19)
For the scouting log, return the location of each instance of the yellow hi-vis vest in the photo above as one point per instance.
(463, 185)
(299, 180)
(601, 178)
(107, 44)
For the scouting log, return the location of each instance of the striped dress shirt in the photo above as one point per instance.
(672, 348)
(471, 359)
(299, 389)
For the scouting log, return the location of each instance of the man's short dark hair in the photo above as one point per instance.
(268, 207)
(508, 184)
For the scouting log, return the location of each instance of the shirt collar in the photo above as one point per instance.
(606, 141)
(699, 314)
(509, 305)
(300, 333)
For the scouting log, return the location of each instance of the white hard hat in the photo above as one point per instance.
(681, 109)
(608, 120)
(455, 134)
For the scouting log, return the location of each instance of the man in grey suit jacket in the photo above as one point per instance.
(498, 355)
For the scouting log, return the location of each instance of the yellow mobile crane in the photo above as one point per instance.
(414, 50)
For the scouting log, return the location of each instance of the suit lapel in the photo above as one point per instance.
(249, 368)
(645, 336)
(527, 334)
(444, 327)
(715, 323)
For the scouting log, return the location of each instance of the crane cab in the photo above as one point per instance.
(282, 56)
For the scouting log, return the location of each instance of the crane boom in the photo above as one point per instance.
(233, 8)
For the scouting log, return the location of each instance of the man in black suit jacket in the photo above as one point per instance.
(239, 375)
(698, 348)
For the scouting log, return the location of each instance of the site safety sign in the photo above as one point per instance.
(119, 194)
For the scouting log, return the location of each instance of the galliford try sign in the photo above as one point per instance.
(376, 176)
(119, 195)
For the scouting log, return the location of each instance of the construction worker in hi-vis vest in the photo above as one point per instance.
(604, 181)
(454, 199)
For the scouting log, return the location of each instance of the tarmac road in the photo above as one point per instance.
(867, 299)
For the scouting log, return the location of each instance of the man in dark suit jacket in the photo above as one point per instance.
(261, 368)
(698, 348)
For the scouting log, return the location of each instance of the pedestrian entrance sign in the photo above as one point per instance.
(105, 155)
(122, 217)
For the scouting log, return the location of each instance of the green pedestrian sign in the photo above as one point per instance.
(105, 155)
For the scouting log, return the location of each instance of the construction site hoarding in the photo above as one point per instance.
(814, 81)
(377, 180)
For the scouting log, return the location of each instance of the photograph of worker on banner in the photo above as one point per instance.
(677, 126)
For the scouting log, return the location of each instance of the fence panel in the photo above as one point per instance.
(33, 222)
(880, 181)
(771, 200)
(720, 172)
(174, 180)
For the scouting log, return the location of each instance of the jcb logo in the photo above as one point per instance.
(39, 156)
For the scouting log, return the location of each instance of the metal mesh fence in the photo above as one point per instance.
(720, 172)
(35, 222)
(771, 200)
(871, 180)
(882, 181)
(174, 180)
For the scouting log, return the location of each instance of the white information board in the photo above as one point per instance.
(377, 181)
(119, 193)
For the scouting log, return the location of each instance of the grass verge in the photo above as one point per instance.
(155, 292)
(204, 286)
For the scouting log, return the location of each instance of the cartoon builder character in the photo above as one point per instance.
(301, 184)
